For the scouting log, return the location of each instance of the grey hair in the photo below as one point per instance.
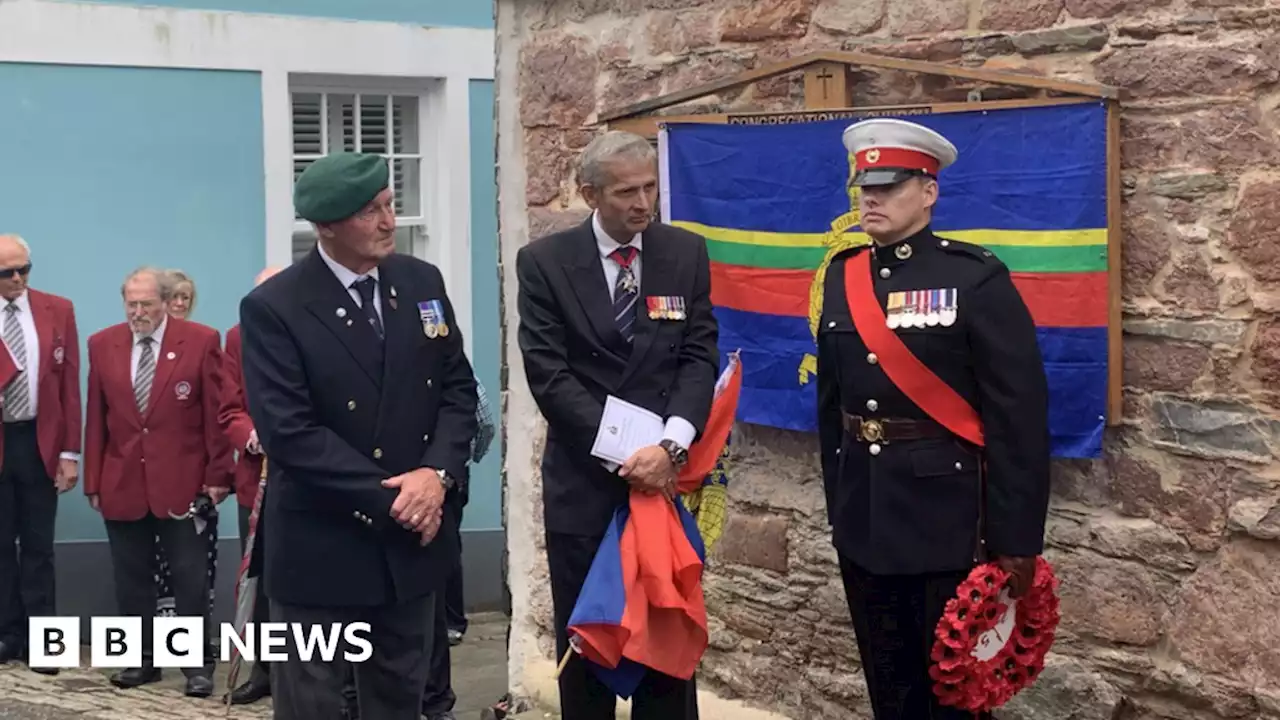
(166, 288)
(613, 145)
(18, 239)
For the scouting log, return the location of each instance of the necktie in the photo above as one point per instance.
(625, 291)
(367, 287)
(17, 397)
(146, 374)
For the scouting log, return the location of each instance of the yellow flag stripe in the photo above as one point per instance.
(1012, 238)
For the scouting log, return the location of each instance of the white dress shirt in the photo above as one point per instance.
(31, 342)
(606, 245)
(348, 278)
(136, 355)
(677, 428)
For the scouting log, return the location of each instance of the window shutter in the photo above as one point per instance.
(386, 125)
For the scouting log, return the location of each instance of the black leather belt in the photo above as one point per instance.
(887, 430)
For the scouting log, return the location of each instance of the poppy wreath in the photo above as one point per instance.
(960, 678)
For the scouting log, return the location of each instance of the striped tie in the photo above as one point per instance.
(625, 290)
(146, 374)
(17, 397)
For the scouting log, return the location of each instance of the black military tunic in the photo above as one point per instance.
(906, 511)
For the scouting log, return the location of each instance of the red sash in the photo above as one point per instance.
(936, 398)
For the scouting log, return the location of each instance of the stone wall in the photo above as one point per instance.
(1167, 548)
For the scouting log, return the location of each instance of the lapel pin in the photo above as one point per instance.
(393, 297)
(348, 322)
(171, 355)
(341, 313)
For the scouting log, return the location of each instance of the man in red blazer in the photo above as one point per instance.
(153, 448)
(238, 426)
(40, 444)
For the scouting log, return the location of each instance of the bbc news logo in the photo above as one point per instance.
(178, 642)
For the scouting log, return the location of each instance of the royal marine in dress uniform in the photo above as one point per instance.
(933, 416)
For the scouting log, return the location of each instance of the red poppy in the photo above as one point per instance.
(964, 681)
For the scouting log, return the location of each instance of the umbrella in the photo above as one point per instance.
(641, 607)
(246, 586)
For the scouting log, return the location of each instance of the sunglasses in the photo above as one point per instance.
(8, 273)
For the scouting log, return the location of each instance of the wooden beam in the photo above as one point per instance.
(994, 77)
(1115, 297)
(647, 126)
(711, 88)
(827, 85)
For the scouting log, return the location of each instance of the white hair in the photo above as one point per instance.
(165, 288)
(21, 242)
(613, 145)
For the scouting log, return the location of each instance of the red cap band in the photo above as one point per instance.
(897, 158)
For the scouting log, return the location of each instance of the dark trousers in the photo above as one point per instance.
(454, 607)
(582, 696)
(439, 698)
(261, 674)
(28, 509)
(133, 555)
(389, 684)
(894, 617)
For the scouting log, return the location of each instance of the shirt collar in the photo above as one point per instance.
(158, 335)
(342, 272)
(604, 242)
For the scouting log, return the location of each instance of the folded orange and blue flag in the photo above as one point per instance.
(641, 607)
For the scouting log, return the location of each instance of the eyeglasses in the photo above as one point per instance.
(8, 273)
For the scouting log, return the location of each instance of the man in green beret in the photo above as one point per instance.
(365, 407)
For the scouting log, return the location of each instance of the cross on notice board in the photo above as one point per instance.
(826, 86)
(824, 76)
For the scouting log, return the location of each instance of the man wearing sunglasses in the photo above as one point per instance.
(40, 443)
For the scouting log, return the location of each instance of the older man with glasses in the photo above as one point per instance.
(40, 444)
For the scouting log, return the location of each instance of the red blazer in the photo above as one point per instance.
(234, 418)
(58, 388)
(159, 461)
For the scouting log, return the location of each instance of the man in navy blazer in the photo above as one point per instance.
(365, 407)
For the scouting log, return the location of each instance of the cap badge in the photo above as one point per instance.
(873, 156)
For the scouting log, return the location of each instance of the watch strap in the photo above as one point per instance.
(679, 455)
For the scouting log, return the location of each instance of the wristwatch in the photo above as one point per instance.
(445, 479)
(679, 455)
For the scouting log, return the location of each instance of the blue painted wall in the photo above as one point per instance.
(106, 169)
(484, 511)
(440, 13)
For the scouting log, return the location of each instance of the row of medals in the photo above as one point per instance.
(921, 308)
(432, 330)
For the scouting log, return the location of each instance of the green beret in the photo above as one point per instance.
(337, 186)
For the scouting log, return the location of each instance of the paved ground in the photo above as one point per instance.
(479, 679)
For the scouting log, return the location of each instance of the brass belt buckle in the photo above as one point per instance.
(871, 431)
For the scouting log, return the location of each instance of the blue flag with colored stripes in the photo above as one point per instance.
(1030, 184)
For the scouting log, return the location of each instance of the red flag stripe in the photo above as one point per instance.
(1055, 299)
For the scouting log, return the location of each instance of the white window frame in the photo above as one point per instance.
(428, 92)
